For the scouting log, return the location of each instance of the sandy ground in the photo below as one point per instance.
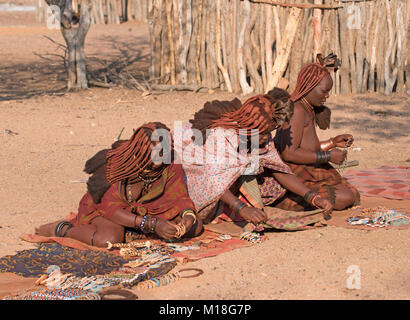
(58, 131)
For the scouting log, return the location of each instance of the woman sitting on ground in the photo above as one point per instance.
(127, 190)
(229, 183)
(299, 145)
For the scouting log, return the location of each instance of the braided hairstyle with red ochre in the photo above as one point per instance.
(132, 160)
(256, 113)
(261, 112)
(310, 76)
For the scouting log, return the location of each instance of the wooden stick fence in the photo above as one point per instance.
(253, 45)
(249, 46)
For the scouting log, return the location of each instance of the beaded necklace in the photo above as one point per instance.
(146, 185)
(308, 107)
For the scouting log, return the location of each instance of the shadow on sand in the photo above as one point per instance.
(48, 76)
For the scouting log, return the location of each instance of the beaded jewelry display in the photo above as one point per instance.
(380, 217)
(56, 294)
(168, 278)
(251, 237)
(139, 248)
(224, 237)
(132, 244)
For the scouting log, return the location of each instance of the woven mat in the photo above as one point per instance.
(387, 181)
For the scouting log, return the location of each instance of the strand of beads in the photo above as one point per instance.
(58, 294)
(158, 281)
(132, 244)
(251, 237)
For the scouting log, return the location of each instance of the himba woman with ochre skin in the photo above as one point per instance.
(128, 190)
(218, 187)
(299, 145)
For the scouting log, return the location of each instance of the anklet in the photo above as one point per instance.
(59, 228)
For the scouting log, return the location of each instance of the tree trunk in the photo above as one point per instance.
(74, 38)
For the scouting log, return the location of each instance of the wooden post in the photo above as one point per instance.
(360, 48)
(374, 47)
(261, 32)
(213, 68)
(218, 48)
(402, 26)
(367, 36)
(246, 89)
(191, 62)
(344, 49)
(198, 44)
(155, 27)
(317, 29)
(284, 47)
(169, 5)
(234, 46)
(252, 64)
(269, 42)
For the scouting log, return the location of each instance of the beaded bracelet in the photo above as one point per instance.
(309, 196)
(135, 222)
(153, 224)
(239, 207)
(322, 157)
(144, 219)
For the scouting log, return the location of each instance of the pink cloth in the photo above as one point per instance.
(207, 180)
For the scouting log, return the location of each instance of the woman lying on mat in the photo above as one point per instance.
(300, 147)
(218, 186)
(129, 189)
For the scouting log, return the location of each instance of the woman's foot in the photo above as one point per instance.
(47, 230)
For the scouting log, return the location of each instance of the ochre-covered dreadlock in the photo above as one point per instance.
(261, 112)
(256, 113)
(310, 76)
(132, 159)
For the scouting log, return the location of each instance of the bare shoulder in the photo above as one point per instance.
(298, 108)
(298, 112)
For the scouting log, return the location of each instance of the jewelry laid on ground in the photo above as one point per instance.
(168, 278)
(55, 294)
(251, 237)
(179, 247)
(380, 217)
(224, 237)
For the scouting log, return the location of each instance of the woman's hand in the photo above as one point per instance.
(188, 222)
(253, 215)
(343, 140)
(337, 156)
(324, 204)
(165, 229)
